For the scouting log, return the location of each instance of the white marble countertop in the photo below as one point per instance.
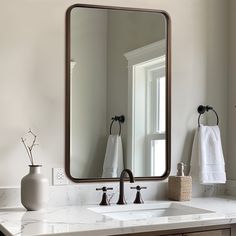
(79, 220)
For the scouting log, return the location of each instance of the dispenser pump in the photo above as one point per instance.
(180, 169)
(180, 186)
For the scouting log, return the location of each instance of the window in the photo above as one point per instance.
(146, 110)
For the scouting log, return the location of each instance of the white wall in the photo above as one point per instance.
(231, 94)
(89, 92)
(32, 75)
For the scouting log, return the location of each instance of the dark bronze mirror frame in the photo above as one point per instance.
(67, 95)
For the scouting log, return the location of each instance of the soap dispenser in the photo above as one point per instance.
(180, 186)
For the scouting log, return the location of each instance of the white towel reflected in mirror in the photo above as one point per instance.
(113, 162)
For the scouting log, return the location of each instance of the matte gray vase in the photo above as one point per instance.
(34, 189)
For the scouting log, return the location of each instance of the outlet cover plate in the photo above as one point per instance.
(59, 176)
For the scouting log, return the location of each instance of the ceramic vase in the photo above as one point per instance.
(34, 189)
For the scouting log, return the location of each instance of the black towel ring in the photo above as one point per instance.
(120, 119)
(202, 109)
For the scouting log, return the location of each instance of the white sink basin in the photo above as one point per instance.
(145, 211)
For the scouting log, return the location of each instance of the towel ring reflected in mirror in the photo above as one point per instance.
(120, 119)
(202, 109)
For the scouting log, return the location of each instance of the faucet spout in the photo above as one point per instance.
(121, 200)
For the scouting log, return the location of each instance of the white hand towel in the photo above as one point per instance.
(113, 162)
(207, 160)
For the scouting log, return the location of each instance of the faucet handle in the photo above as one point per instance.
(104, 189)
(104, 201)
(138, 188)
(138, 198)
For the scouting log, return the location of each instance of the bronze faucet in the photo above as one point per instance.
(121, 200)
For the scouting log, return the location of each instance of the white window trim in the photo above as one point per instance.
(156, 70)
(151, 134)
(146, 53)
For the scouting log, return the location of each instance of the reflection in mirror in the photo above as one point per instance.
(118, 93)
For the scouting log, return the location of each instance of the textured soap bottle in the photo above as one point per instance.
(180, 186)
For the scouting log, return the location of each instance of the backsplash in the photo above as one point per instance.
(79, 194)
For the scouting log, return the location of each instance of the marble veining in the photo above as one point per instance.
(68, 220)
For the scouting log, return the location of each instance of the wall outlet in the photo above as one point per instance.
(59, 176)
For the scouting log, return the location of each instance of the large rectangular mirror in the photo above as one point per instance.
(117, 93)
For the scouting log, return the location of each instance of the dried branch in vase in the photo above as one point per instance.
(29, 148)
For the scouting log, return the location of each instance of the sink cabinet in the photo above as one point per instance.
(224, 230)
